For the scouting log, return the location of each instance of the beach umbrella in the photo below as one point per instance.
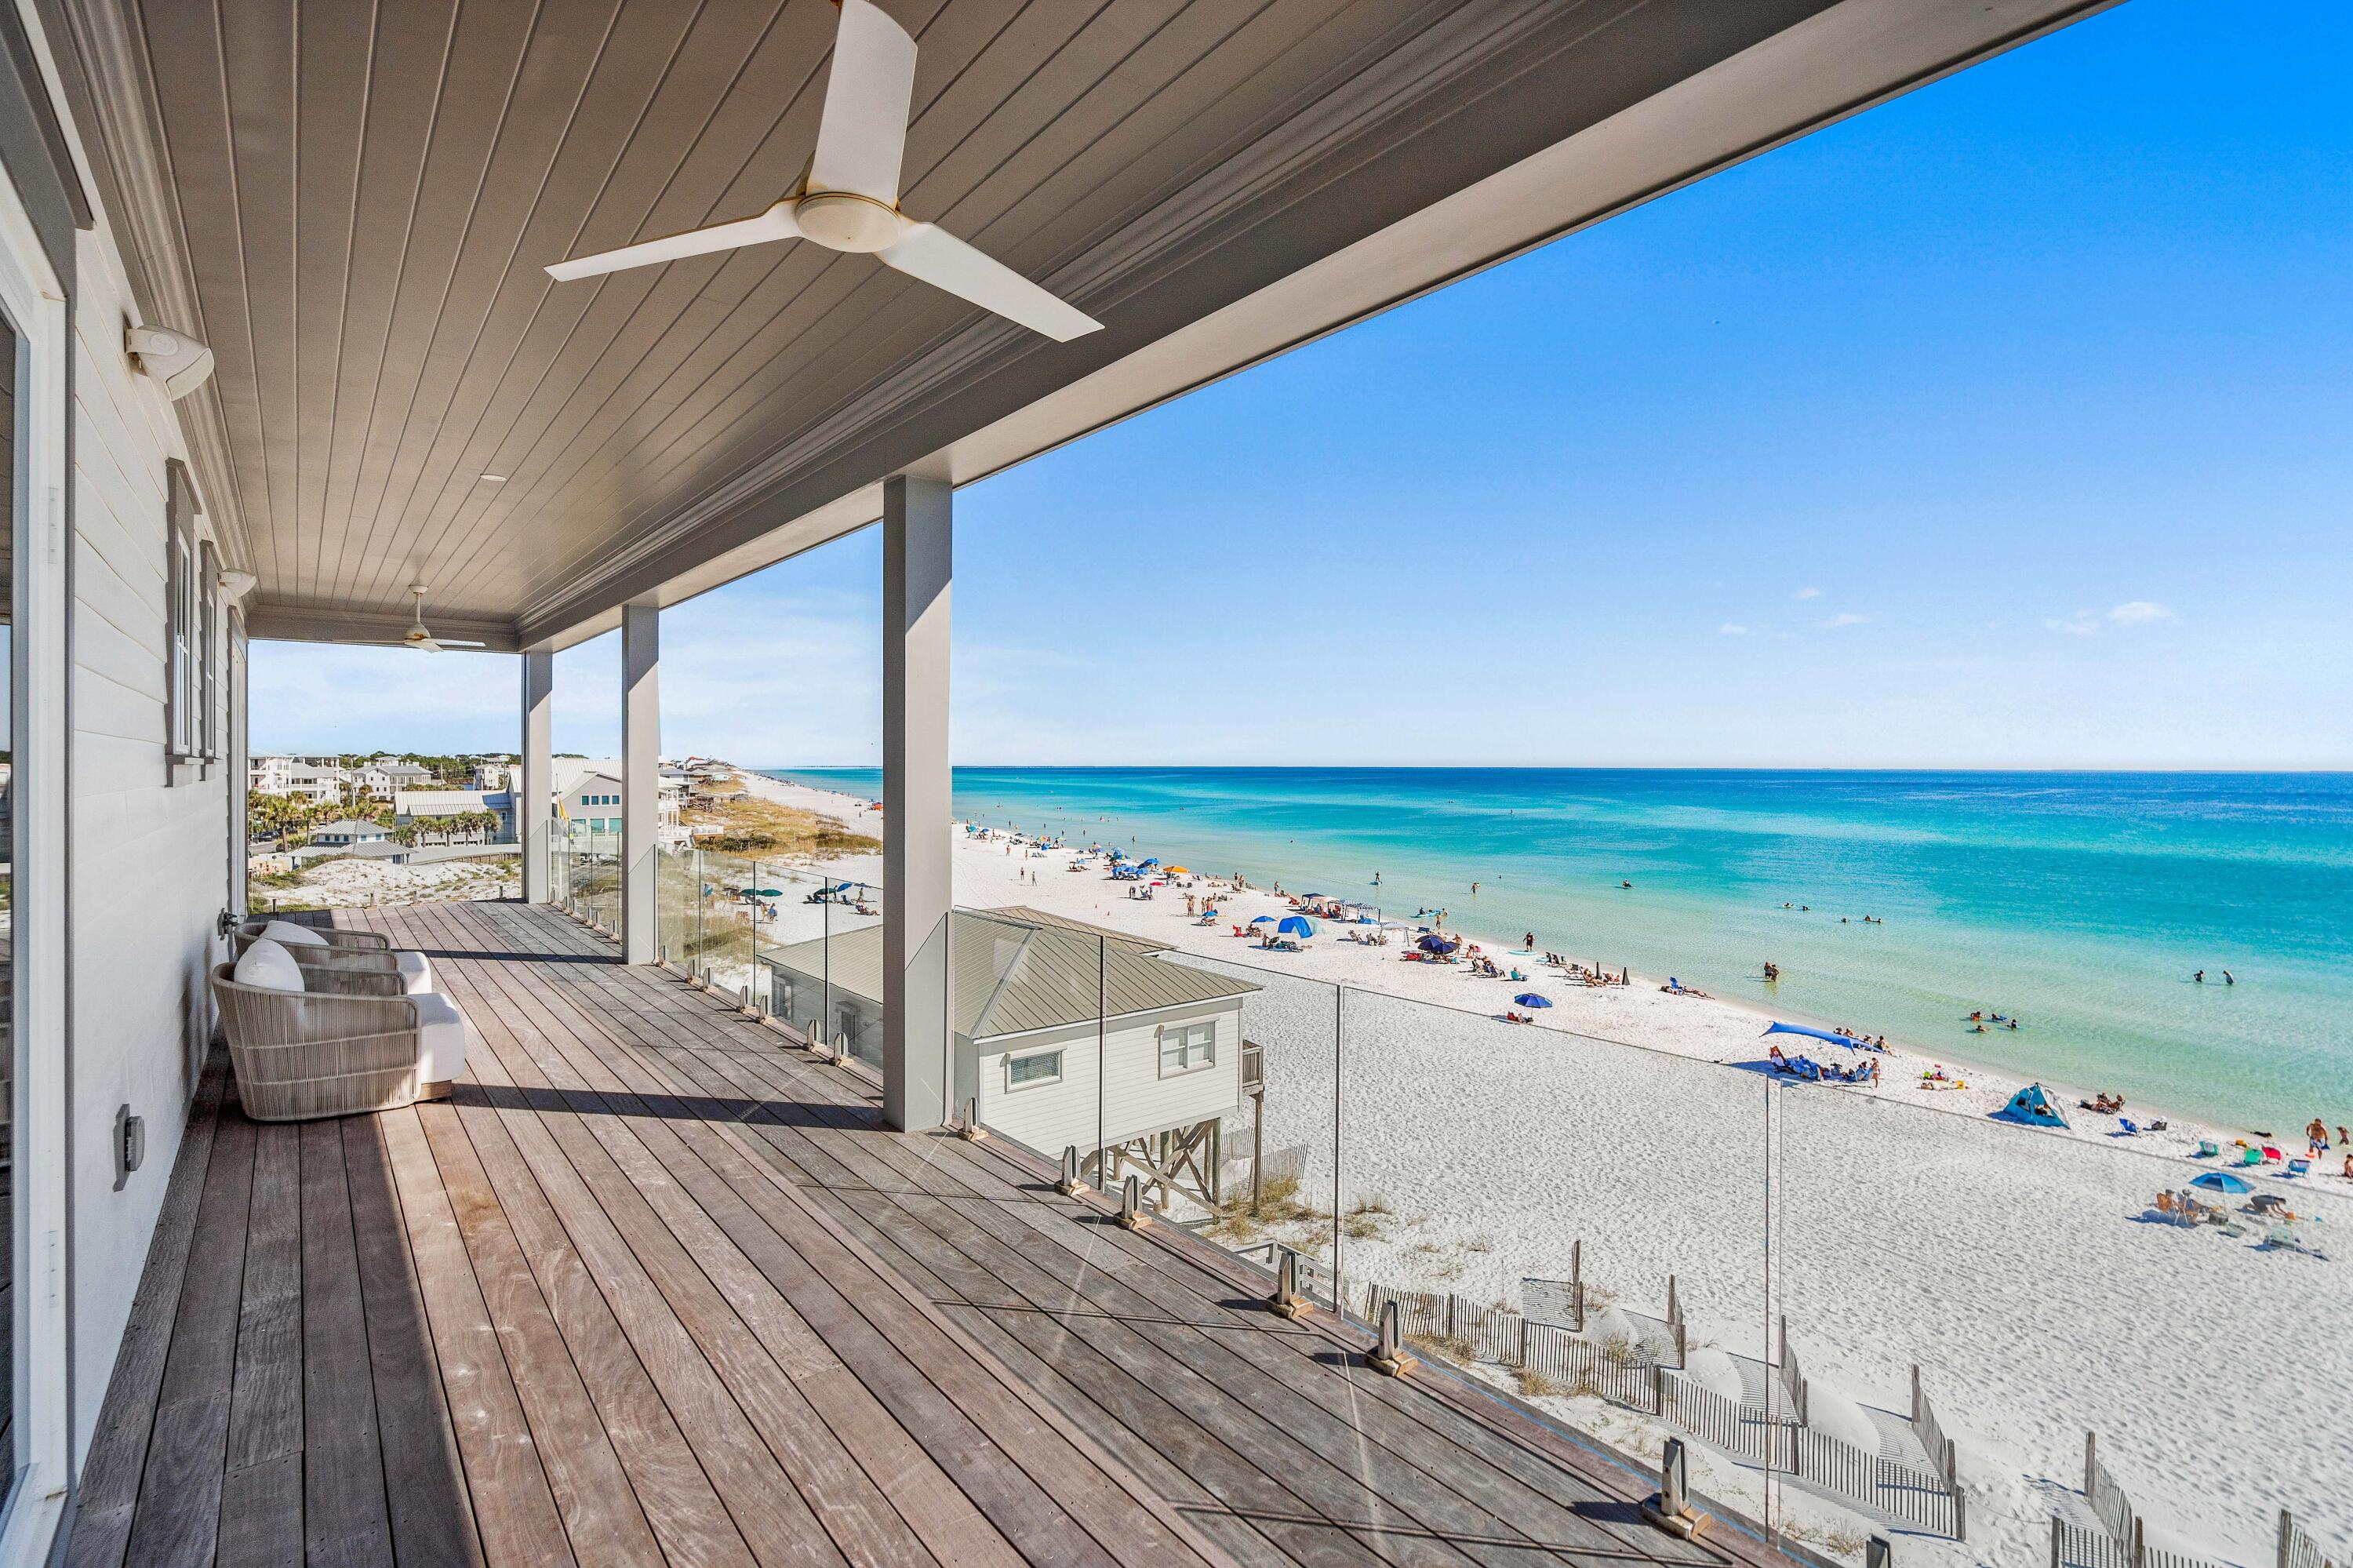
(1153, 860)
(1180, 870)
(1435, 943)
(1530, 998)
(2221, 1181)
(765, 892)
(1263, 920)
(1298, 926)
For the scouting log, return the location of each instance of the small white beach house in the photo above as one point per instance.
(1154, 1086)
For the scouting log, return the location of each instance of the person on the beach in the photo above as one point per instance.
(2316, 1137)
(1529, 941)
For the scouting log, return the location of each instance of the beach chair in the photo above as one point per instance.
(2299, 1167)
(2250, 1156)
(2206, 1149)
(2126, 1127)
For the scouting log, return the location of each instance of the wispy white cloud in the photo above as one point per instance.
(1806, 593)
(1731, 630)
(2132, 612)
(1846, 617)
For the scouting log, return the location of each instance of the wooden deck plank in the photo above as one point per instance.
(118, 1453)
(592, 1490)
(261, 1494)
(514, 1502)
(179, 1520)
(343, 1517)
(428, 1500)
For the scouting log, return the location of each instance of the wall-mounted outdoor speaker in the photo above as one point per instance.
(175, 358)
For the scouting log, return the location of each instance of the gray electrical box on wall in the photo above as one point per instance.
(130, 1145)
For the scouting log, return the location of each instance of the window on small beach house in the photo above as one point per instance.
(1036, 1067)
(1188, 1047)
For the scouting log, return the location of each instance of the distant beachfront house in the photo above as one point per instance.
(423, 808)
(387, 777)
(349, 833)
(590, 804)
(298, 777)
(1026, 989)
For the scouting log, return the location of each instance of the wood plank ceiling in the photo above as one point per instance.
(352, 203)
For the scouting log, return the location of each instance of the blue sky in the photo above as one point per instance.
(2008, 424)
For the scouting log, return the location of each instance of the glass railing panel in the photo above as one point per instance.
(1224, 1081)
(849, 968)
(785, 925)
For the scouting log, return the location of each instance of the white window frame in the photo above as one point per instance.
(1013, 1087)
(36, 306)
(209, 653)
(1187, 1062)
(186, 620)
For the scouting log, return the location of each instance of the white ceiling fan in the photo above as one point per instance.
(848, 196)
(424, 641)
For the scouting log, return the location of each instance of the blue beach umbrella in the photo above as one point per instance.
(2221, 1181)
(1298, 926)
(1153, 860)
(1530, 998)
(1434, 944)
(1263, 920)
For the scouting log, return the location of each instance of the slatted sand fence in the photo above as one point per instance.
(1467, 1332)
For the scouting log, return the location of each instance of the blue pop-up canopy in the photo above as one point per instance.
(2033, 1108)
(1811, 1033)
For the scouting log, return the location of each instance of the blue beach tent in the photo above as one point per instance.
(2033, 1108)
(1298, 926)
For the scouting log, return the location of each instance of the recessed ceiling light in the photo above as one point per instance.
(494, 479)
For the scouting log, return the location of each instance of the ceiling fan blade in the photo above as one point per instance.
(927, 251)
(422, 645)
(776, 223)
(457, 642)
(863, 133)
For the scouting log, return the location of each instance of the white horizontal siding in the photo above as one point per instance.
(1137, 1100)
(150, 859)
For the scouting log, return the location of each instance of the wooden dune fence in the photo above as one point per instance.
(1467, 1331)
(2121, 1542)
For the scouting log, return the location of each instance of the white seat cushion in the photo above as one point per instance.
(442, 1038)
(416, 972)
(268, 966)
(293, 936)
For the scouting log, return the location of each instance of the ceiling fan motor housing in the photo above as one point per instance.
(844, 220)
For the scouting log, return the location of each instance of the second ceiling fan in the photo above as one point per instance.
(849, 198)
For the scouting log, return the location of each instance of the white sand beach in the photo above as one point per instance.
(1916, 1228)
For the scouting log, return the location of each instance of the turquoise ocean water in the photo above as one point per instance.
(2083, 903)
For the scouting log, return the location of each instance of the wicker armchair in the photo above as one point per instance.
(346, 950)
(335, 937)
(351, 1041)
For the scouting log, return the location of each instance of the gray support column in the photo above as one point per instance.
(535, 790)
(640, 776)
(916, 1042)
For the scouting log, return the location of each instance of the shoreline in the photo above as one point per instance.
(1654, 1028)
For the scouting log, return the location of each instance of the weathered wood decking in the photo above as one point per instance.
(655, 1287)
